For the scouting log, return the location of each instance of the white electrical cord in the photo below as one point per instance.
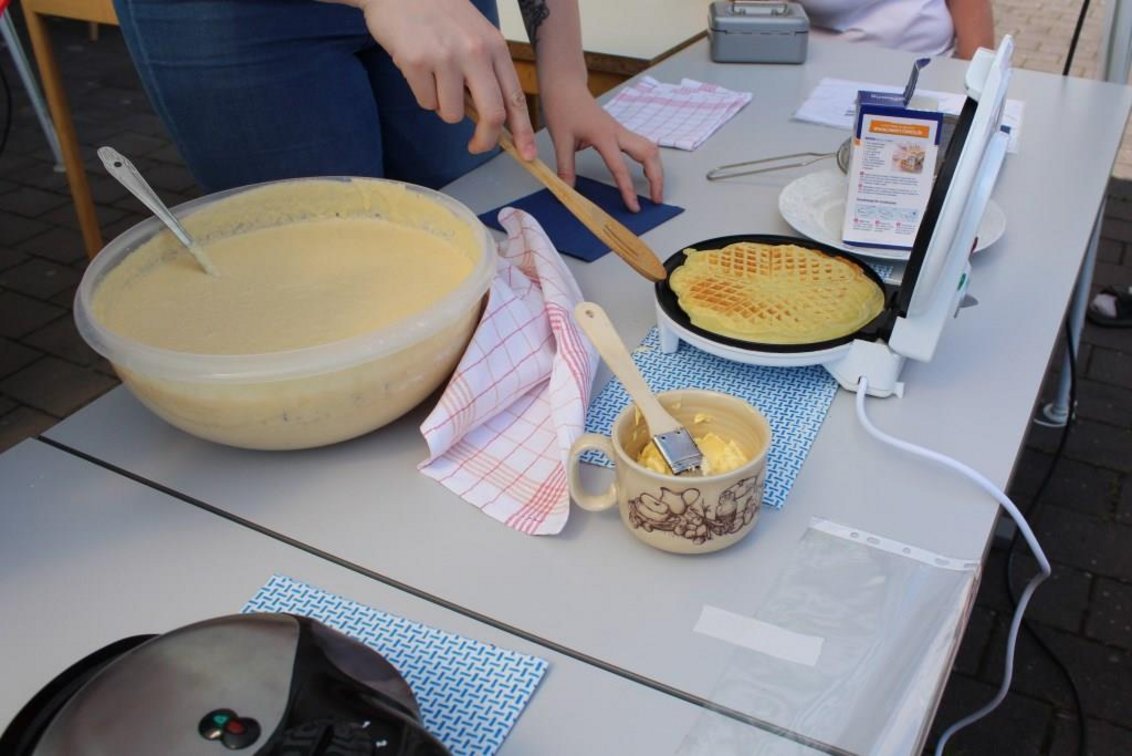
(1023, 527)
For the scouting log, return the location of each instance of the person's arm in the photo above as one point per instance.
(573, 118)
(443, 47)
(974, 26)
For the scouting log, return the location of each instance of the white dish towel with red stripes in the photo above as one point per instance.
(680, 115)
(500, 435)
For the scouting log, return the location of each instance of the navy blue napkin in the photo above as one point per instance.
(568, 234)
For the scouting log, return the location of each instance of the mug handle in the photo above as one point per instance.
(585, 500)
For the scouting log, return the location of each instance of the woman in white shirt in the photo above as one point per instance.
(928, 27)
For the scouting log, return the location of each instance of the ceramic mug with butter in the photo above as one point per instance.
(690, 514)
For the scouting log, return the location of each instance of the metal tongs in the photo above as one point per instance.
(802, 159)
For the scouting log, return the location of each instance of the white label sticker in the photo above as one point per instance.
(756, 635)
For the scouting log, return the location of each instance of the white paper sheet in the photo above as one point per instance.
(833, 103)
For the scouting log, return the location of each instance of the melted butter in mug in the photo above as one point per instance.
(719, 455)
(282, 287)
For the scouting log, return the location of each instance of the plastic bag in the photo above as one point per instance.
(882, 616)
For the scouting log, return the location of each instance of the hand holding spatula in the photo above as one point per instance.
(627, 245)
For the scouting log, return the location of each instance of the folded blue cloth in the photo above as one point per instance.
(470, 693)
(568, 234)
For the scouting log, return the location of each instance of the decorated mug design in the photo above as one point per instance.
(686, 514)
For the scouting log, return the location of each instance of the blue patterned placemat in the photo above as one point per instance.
(795, 401)
(884, 270)
(470, 693)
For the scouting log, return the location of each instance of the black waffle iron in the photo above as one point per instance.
(258, 683)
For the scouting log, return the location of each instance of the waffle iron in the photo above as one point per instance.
(256, 683)
(936, 277)
(676, 321)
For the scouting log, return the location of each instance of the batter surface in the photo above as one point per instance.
(281, 287)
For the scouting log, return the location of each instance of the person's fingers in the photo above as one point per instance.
(423, 86)
(564, 159)
(449, 92)
(515, 103)
(610, 152)
(490, 112)
(646, 152)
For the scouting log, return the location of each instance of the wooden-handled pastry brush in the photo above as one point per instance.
(672, 439)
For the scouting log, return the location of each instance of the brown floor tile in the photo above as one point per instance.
(1111, 251)
(22, 423)
(15, 357)
(1021, 725)
(1124, 506)
(32, 202)
(1091, 544)
(1101, 444)
(1112, 367)
(1110, 619)
(16, 228)
(39, 278)
(55, 387)
(10, 258)
(62, 245)
(65, 216)
(1104, 738)
(1100, 672)
(61, 339)
(1104, 403)
(20, 315)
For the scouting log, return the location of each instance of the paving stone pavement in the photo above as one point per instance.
(1085, 515)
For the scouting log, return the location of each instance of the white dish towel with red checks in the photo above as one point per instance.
(501, 433)
(680, 115)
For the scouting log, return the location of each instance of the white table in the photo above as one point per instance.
(88, 557)
(594, 590)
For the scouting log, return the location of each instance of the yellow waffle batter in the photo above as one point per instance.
(281, 287)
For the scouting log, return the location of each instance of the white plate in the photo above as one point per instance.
(814, 205)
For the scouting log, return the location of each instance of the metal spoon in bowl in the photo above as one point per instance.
(128, 176)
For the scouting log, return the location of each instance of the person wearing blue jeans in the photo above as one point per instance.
(258, 90)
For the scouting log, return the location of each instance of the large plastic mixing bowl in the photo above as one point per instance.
(315, 395)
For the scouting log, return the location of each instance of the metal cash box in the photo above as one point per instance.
(758, 31)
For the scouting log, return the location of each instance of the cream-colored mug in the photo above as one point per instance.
(688, 514)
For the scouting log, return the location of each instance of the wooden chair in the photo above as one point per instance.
(23, 68)
(92, 11)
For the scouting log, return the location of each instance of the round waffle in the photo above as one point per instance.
(775, 293)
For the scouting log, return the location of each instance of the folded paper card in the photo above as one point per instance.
(795, 401)
(500, 435)
(896, 143)
(470, 693)
(568, 234)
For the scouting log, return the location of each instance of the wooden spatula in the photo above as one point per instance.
(628, 246)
